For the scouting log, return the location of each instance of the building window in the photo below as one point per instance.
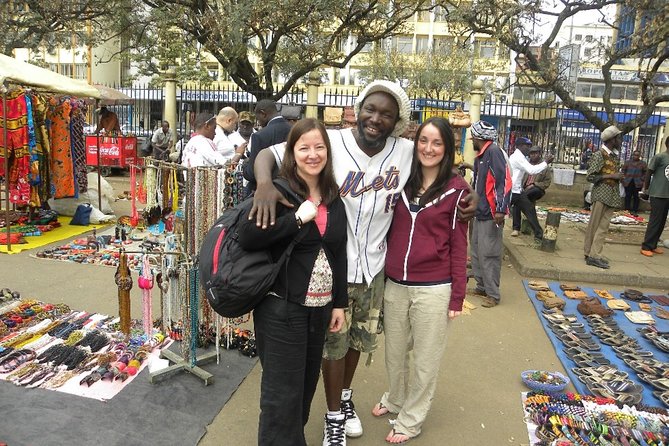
(587, 52)
(485, 49)
(632, 93)
(212, 70)
(578, 37)
(440, 14)
(66, 69)
(617, 92)
(422, 44)
(403, 44)
(443, 45)
(583, 90)
(588, 38)
(423, 16)
(81, 71)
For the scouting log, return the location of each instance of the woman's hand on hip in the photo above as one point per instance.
(336, 320)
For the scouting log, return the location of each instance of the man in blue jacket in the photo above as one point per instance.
(492, 182)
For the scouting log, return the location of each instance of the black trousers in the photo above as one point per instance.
(659, 207)
(290, 341)
(632, 198)
(524, 202)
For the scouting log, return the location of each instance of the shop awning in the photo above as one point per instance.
(29, 75)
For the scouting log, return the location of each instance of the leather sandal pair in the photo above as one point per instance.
(635, 296)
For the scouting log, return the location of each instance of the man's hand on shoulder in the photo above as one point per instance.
(467, 206)
(264, 204)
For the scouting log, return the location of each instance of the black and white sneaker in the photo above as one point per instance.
(334, 433)
(353, 423)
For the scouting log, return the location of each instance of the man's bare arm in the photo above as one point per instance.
(266, 195)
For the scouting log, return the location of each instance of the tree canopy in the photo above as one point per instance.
(440, 73)
(524, 25)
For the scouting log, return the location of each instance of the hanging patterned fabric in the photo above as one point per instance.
(62, 166)
(42, 147)
(34, 178)
(18, 154)
(79, 144)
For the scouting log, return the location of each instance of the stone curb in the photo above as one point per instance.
(592, 275)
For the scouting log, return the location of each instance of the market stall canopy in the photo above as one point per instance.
(29, 75)
(111, 96)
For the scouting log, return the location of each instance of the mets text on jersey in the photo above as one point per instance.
(354, 185)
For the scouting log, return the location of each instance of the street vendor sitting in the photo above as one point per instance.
(108, 121)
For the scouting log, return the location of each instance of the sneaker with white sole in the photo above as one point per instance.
(515, 233)
(334, 433)
(353, 423)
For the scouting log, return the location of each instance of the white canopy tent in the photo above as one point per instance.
(13, 71)
(22, 73)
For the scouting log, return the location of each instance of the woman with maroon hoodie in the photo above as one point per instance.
(426, 268)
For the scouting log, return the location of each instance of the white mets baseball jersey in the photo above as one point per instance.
(369, 187)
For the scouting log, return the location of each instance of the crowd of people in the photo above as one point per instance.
(384, 228)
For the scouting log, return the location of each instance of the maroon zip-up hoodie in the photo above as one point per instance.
(430, 246)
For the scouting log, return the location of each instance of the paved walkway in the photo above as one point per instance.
(628, 266)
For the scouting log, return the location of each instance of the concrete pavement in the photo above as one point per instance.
(478, 396)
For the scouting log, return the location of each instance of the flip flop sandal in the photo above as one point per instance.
(595, 371)
(616, 385)
(565, 327)
(661, 313)
(618, 304)
(380, 410)
(603, 294)
(659, 383)
(570, 341)
(615, 341)
(569, 287)
(576, 351)
(629, 349)
(538, 285)
(647, 370)
(559, 318)
(645, 307)
(622, 398)
(590, 361)
(577, 295)
(393, 433)
(543, 295)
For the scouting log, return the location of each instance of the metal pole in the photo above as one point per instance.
(97, 154)
(4, 135)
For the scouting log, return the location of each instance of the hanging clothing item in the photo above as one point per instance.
(78, 144)
(62, 166)
(42, 147)
(33, 174)
(18, 155)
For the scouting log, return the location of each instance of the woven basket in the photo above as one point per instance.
(559, 384)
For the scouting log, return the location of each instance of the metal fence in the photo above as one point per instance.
(562, 131)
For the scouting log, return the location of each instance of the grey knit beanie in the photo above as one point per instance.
(395, 91)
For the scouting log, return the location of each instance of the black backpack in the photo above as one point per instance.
(236, 280)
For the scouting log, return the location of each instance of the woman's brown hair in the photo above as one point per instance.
(326, 182)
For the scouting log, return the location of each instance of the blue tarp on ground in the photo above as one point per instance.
(629, 328)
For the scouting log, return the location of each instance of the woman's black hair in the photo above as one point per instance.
(415, 182)
(326, 181)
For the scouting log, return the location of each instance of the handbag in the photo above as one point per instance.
(82, 216)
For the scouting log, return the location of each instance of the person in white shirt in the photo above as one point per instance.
(226, 123)
(162, 141)
(520, 166)
(200, 150)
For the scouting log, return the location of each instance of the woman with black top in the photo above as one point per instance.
(309, 295)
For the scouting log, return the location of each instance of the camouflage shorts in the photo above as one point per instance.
(362, 316)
